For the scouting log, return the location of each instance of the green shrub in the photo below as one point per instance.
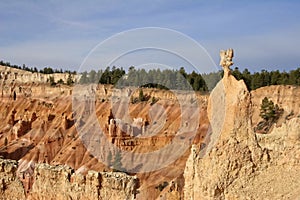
(270, 114)
(142, 96)
(269, 111)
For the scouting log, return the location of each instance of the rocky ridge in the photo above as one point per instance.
(11, 187)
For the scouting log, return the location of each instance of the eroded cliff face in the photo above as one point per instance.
(286, 96)
(51, 136)
(233, 152)
(239, 164)
(10, 186)
(61, 182)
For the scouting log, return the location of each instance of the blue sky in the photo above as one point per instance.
(264, 34)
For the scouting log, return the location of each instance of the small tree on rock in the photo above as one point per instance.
(141, 95)
(51, 81)
(270, 113)
(70, 79)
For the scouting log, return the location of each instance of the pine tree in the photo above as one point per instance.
(70, 80)
(237, 74)
(141, 95)
(51, 81)
(268, 111)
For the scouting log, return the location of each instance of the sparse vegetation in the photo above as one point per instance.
(141, 96)
(153, 100)
(51, 81)
(70, 79)
(270, 113)
(45, 70)
(161, 186)
(60, 81)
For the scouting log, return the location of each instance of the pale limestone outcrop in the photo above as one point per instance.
(233, 153)
(61, 182)
(10, 186)
(236, 164)
(281, 140)
(226, 60)
(278, 178)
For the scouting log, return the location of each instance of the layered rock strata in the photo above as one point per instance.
(61, 182)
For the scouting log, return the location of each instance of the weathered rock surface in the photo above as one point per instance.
(239, 165)
(235, 152)
(61, 182)
(10, 186)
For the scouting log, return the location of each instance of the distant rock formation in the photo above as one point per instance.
(16, 75)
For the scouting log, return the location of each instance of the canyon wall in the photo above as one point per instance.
(236, 162)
